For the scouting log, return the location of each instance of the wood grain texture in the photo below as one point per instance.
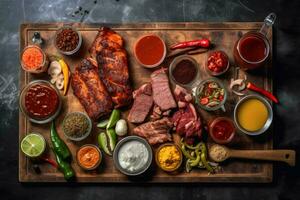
(223, 35)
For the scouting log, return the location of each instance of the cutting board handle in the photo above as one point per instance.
(287, 156)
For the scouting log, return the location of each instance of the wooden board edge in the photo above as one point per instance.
(154, 25)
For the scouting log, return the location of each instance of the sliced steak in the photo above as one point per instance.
(162, 94)
(142, 105)
(155, 132)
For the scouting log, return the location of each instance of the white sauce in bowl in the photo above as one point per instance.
(133, 156)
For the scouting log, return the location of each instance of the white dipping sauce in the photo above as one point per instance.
(133, 156)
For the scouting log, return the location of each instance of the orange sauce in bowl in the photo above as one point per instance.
(150, 50)
(88, 157)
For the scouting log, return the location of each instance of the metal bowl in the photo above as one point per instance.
(116, 155)
(268, 122)
(24, 110)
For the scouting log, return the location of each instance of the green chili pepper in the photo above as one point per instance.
(65, 168)
(103, 123)
(188, 167)
(112, 137)
(186, 153)
(204, 158)
(59, 146)
(192, 147)
(195, 162)
(103, 143)
(114, 117)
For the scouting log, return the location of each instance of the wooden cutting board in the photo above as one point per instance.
(223, 35)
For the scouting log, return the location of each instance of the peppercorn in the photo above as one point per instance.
(67, 39)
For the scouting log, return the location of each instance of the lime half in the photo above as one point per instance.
(33, 145)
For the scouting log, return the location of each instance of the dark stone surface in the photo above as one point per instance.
(287, 125)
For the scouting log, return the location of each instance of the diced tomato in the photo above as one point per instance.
(204, 101)
(221, 97)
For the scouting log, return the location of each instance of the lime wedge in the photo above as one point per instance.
(33, 145)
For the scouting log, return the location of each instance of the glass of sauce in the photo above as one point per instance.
(253, 48)
(221, 130)
(89, 157)
(40, 101)
(184, 71)
(150, 51)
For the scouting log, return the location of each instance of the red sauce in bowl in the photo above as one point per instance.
(41, 101)
(253, 49)
(150, 50)
(222, 130)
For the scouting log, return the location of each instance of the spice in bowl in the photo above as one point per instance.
(34, 60)
(77, 126)
(150, 51)
(183, 70)
(222, 130)
(217, 63)
(211, 94)
(218, 153)
(68, 40)
(168, 157)
(89, 157)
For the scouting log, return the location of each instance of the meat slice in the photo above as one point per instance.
(143, 102)
(186, 121)
(155, 132)
(90, 91)
(162, 94)
(111, 57)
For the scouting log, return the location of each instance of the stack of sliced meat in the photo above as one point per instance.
(142, 105)
(107, 52)
(156, 131)
(186, 121)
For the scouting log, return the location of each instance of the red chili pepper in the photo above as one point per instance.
(50, 161)
(204, 43)
(267, 94)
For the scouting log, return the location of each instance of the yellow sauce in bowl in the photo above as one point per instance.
(252, 115)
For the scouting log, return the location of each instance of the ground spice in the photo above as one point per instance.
(32, 58)
(75, 125)
(184, 72)
(218, 153)
(169, 157)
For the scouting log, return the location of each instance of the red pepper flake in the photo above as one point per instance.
(217, 62)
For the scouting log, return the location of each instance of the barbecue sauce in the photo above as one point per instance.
(41, 101)
(253, 49)
(184, 72)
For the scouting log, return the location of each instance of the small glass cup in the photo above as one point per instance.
(42, 68)
(240, 60)
(218, 73)
(68, 53)
(174, 64)
(214, 108)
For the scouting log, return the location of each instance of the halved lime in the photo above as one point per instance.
(33, 145)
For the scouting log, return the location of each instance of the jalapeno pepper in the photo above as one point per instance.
(59, 146)
(65, 168)
(114, 117)
(204, 158)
